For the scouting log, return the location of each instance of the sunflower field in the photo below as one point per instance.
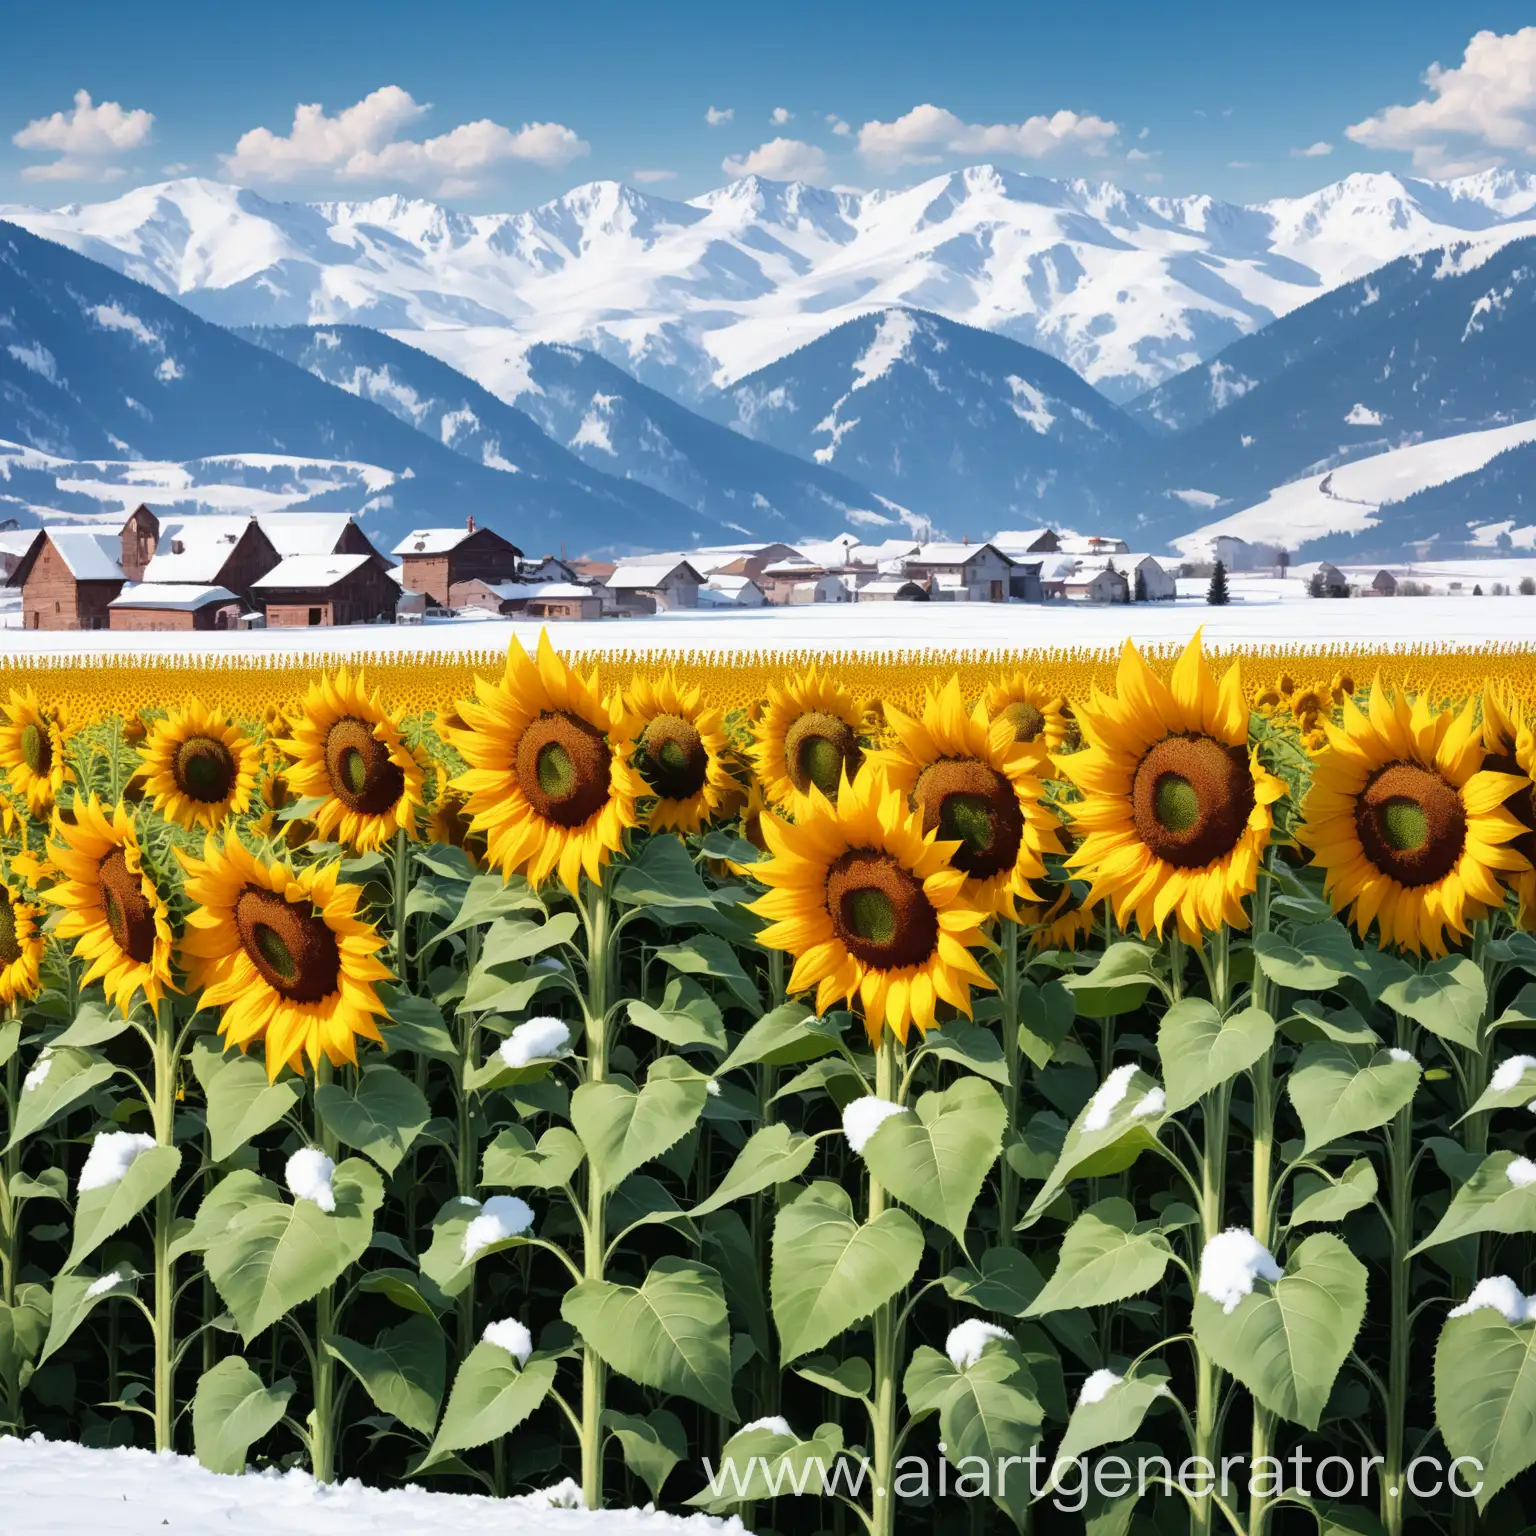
(1059, 1093)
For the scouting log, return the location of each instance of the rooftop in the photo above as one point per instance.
(309, 571)
(181, 596)
(304, 533)
(205, 544)
(647, 573)
(431, 541)
(90, 556)
(951, 554)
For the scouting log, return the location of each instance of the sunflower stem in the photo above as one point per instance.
(322, 1426)
(400, 873)
(593, 1371)
(1400, 1214)
(1008, 1208)
(885, 1330)
(1213, 1170)
(164, 1111)
(1263, 1079)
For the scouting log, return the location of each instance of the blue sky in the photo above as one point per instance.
(501, 106)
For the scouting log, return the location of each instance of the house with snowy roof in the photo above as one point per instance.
(153, 605)
(435, 560)
(976, 573)
(654, 586)
(325, 589)
(71, 571)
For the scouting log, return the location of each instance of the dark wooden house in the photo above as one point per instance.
(310, 590)
(435, 560)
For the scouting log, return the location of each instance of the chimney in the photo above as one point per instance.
(965, 540)
(469, 522)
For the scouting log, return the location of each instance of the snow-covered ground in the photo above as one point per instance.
(50, 1488)
(1351, 497)
(1264, 611)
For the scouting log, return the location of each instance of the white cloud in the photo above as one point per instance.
(175, 168)
(717, 115)
(1314, 151)
(1140, 154)
(779, 160)
(89, 130)
(85, 140)
(1144, 133)
(73, 170)
(360, 143)
(645, 178)
(779, 116)
(1239, 165)
(838, 126)
(927, 132)
(1476, 114)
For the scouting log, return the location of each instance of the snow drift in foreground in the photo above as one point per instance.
(53, 1488)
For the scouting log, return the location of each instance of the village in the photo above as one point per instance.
(287, 570)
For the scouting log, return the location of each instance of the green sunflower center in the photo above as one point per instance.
(1026, 720)
(1411, 823)
(563, 766)
(36, 749)
(204, 769)
(672, 758)
(362, 775)
(965, 801)
(879, 910)
(290, 944)
(1191, 799)
(10, 944)
(817, 748)
(130, 918)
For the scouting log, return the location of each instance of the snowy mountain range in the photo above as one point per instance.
(1126, 289)
(616, 372)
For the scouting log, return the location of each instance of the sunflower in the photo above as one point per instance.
(974, 783)
(871, 906)
(283, 954)
(347, 751)
(449, 825)
(198, 768)
(1061, 923)
(111, 907)
(549, 781)
(679, 748)
(807, 739)
(1510, 746)
(1407, 823)
(32, 752)
(1036, 712)
(21, 946)
(1176, 809)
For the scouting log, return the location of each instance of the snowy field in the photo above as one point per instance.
(1262, 612)
(48, 1488)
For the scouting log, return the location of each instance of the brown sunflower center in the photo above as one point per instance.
(880, 912)
(359, 768)
(130, 918)
(563, 766)
(36, 749)
(291, 946)
(966, 801)
(204, 769)
(1412, 824)
(1191, 799)
(817, 748)
(1026, 720)
(671, 758)
(10, 944)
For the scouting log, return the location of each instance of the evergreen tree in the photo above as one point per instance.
(1217, 595)
(1141, 586)
(1315, 586)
